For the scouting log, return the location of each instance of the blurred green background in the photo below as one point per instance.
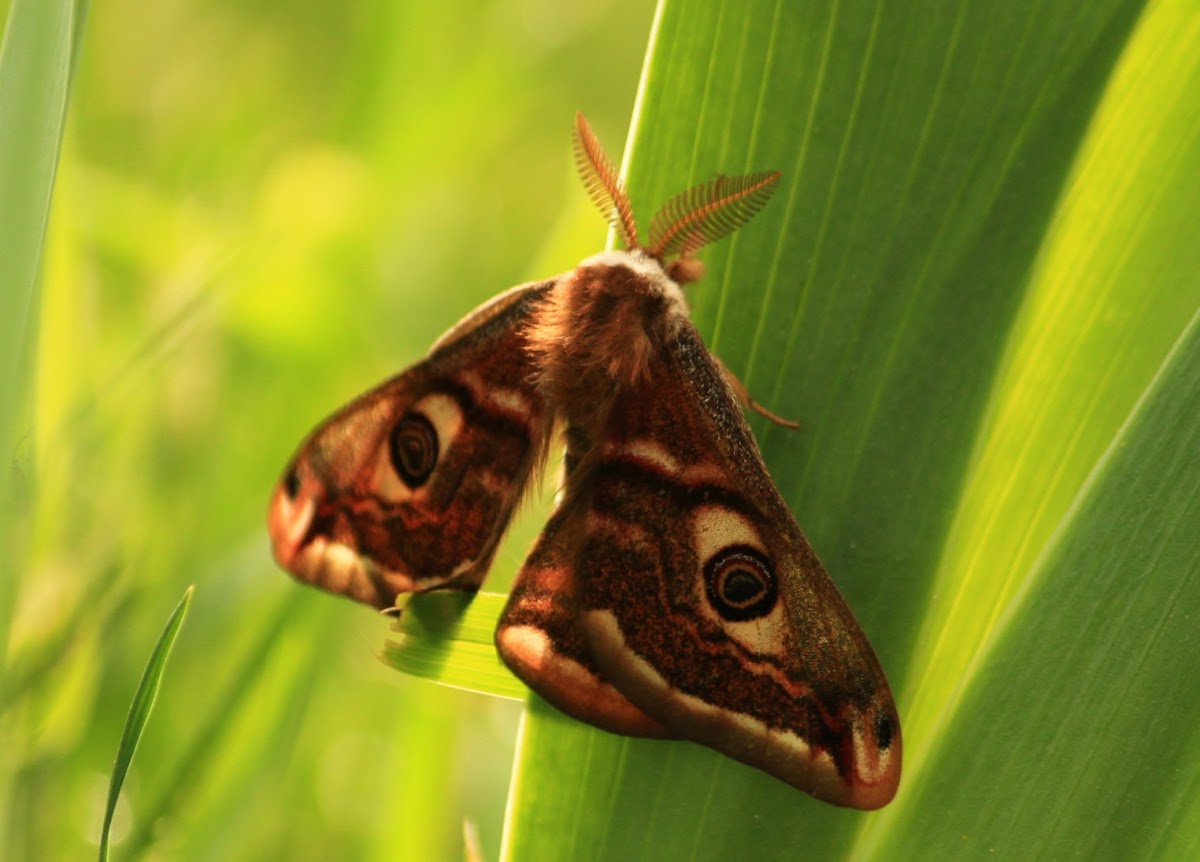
(977, 289)
(262, 209)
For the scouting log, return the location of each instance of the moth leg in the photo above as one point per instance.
(743, 395)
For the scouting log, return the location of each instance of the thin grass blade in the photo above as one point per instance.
(139, 711)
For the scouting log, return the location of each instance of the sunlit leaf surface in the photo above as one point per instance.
(976, 289)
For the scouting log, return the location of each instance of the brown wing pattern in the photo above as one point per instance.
(671, 592)
(540, 639)
(539, 636)
(411, 486)
(701, 602)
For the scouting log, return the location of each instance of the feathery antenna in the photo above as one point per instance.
(602, 182)
(708, 212)
(687, 222)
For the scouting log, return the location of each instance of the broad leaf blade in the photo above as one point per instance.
(913, 295)
(1087, 666)
(1112, 288)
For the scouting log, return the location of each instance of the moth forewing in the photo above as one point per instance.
(411, 486)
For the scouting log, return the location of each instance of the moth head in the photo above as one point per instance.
(686, 223)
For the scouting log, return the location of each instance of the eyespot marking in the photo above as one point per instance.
(413, 448)
(291, 482)
(715, 527)
(740, 583)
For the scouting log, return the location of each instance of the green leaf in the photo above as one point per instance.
(40, 40)
(1088, 665)
(968, 291)
(35, 66)
(139, 711)
(254, 216)
(448, 638)
(973, 289)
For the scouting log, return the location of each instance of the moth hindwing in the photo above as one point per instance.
(671, 593)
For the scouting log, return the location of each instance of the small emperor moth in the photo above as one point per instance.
(672, 593)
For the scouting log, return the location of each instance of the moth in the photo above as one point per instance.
(671, 593)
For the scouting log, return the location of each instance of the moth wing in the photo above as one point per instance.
(701, 601)
(540, 639)
(410, 486)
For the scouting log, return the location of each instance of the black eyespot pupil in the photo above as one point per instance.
(291, 483)
(740, 583)
(413, 449)
(742, 586)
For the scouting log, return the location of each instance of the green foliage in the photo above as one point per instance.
(139, 712)
(259, 210)
(35, 63)
(976, 289)
(448, 637)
